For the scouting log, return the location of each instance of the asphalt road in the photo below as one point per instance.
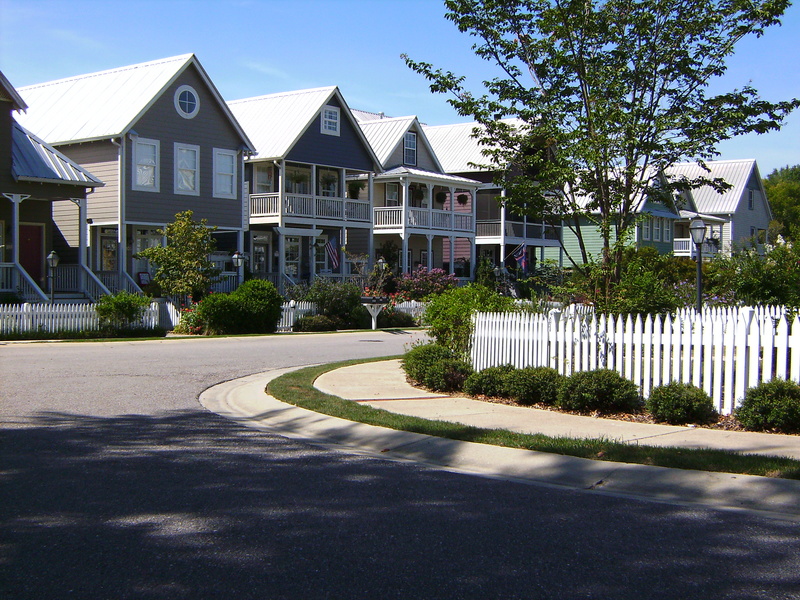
(117, 484)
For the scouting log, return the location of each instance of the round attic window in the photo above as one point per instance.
(186, 102)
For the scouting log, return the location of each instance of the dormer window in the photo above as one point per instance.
(410, 149)
(330, 121)
(187, 102)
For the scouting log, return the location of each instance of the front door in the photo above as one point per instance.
(31, 251)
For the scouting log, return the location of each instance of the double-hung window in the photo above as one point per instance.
(646, 229)
(146, 165)
(330, 121)
(667, 230)
(187, 169)
(410, 149)
(657, 229)
(263, 176)
(224, 173)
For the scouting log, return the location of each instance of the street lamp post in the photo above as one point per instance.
(697, 228)
(52, 263)
(238, 262)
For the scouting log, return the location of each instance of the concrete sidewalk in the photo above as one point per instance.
(383, 384)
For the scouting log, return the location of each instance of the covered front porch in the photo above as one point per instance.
(682, 244)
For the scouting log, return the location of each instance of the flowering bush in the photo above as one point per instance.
(423, 283)
(190, 322)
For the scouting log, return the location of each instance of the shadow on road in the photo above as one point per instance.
(190, 505)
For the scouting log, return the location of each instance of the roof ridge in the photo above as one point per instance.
(161, 61)
(279, 94)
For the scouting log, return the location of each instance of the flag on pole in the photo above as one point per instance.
(521, 256)
(332, 248)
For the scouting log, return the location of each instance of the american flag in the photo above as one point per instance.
(521, 257)
(332, 248)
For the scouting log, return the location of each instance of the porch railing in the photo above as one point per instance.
(16, 280)
(307, 206)
(518, 229)
(391, 217)
(686, 247)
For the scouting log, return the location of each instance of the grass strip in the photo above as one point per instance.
(297, 388)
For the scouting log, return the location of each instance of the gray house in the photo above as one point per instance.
(163, 141)
(427, 212)
(305, 205)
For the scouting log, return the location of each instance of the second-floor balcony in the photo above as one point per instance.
(389, 219)
(272, 206)
(496, 231)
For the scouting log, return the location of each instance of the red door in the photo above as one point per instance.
(31, 250)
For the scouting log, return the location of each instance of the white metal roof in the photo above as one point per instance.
(419, 174)
(707, 200)
(105, 104)
(385, 134)
(456, 147)
(34, 160)
(365, 115)
(276, 121)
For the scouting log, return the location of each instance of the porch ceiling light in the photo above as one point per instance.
(52, 259)
(697, 228)
(238, 259)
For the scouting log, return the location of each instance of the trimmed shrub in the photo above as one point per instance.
(678, 403)
(255, 307)
(261, 303)
(121, 310)
(335, 299)
(491, 382)
(316, 323)
(447, 375)
(222, 314)
(395, 318)
(420, 359)
(534, 385)
(603, 390)
(771, 406)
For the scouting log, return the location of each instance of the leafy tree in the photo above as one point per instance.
(183, 265)
(594, 98)
(783, 192)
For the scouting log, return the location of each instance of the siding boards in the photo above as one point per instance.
(100, 159)
(424, 158)
(209, 129)
(345, 150)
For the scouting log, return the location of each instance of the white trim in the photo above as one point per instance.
(186, 114)
(217, 193)
(177, 179)
(135, 185)
(330, 120)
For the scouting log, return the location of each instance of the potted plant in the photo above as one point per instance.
(354, 189)
(441, 197)
(462, 199)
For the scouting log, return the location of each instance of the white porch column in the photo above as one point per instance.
(429, 262)
(314, 190)
(472, 257)
(452, 212)
(371, 236)
(312, 258)
(452, 241)
(404, 250)
(240, 248)
(83, 229)
(281, 192)
(281, 260)
(16, 200)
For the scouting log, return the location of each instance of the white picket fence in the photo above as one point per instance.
(292, 311)
(723, 351)
(50, 318)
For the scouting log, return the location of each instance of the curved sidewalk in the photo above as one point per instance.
(383, 384)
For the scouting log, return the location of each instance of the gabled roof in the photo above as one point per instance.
(385, 135)
(431, 176)
(7, 92)
(34, 160)
(276, 122)
(735, 172)
(456, 147)
(106, 104)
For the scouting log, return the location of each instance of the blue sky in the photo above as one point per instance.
(255, 47)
